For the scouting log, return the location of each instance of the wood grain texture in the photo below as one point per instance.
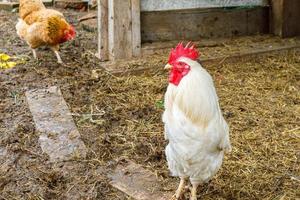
(119, 29)
(166, 5)
(102, 21)
(8, 5)
(120, 68)
(276, 18)
(291, 17)
(136, 27)
(285, 15)
(202, 23)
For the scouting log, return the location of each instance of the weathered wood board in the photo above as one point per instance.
(59, 137)
(154, 5)
(102, 28)
(48, 2)
(120, 68)
(203, 23)
(8, 5)
(90, 25)
(137, 182)
(136, 27)
(90, 15)
(196, 25)
(119, 29)
(285, 15)
(291, 24)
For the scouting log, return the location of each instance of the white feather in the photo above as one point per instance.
(194, 126)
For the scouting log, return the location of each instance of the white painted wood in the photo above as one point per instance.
(156, 5)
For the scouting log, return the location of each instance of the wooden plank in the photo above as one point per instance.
(136, 27)
(166, 5)
(137, 182)
(291, 24)
(119, 29)
(59, 137)
(257, 21)
(102, 22)
(48, 2)
(91, 15)
(91, 26)
(198, 24)
(208, 61)
(276, 17)
(285, 15)
(8, 5)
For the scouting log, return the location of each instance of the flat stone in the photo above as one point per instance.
(59, 137)
(137, 182)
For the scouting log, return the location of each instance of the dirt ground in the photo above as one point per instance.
(260, 100)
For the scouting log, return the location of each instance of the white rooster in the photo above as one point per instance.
(197, 133)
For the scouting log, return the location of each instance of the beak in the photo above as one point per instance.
(168, 66)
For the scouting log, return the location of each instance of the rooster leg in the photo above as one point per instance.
(180, 188)
(194, 191)
(34, 53)
(58, 57)
(55, 49)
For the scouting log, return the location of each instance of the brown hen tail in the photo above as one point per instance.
(27, 7)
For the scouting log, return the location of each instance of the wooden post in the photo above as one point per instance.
(119, 29)
(285, 15)
(102, 21)
(136, 27)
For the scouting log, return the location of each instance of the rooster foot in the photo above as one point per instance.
(180, 191)
(34, 54)
(194, 191)
(59, 60)
(174, 197)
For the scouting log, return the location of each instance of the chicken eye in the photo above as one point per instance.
(181, 64)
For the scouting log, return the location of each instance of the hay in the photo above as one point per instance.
(120, 117)
(259, 100)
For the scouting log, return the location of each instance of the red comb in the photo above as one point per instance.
(189, 51)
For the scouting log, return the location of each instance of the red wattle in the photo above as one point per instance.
(178, 71)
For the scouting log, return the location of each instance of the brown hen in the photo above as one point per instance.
(40, 26)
